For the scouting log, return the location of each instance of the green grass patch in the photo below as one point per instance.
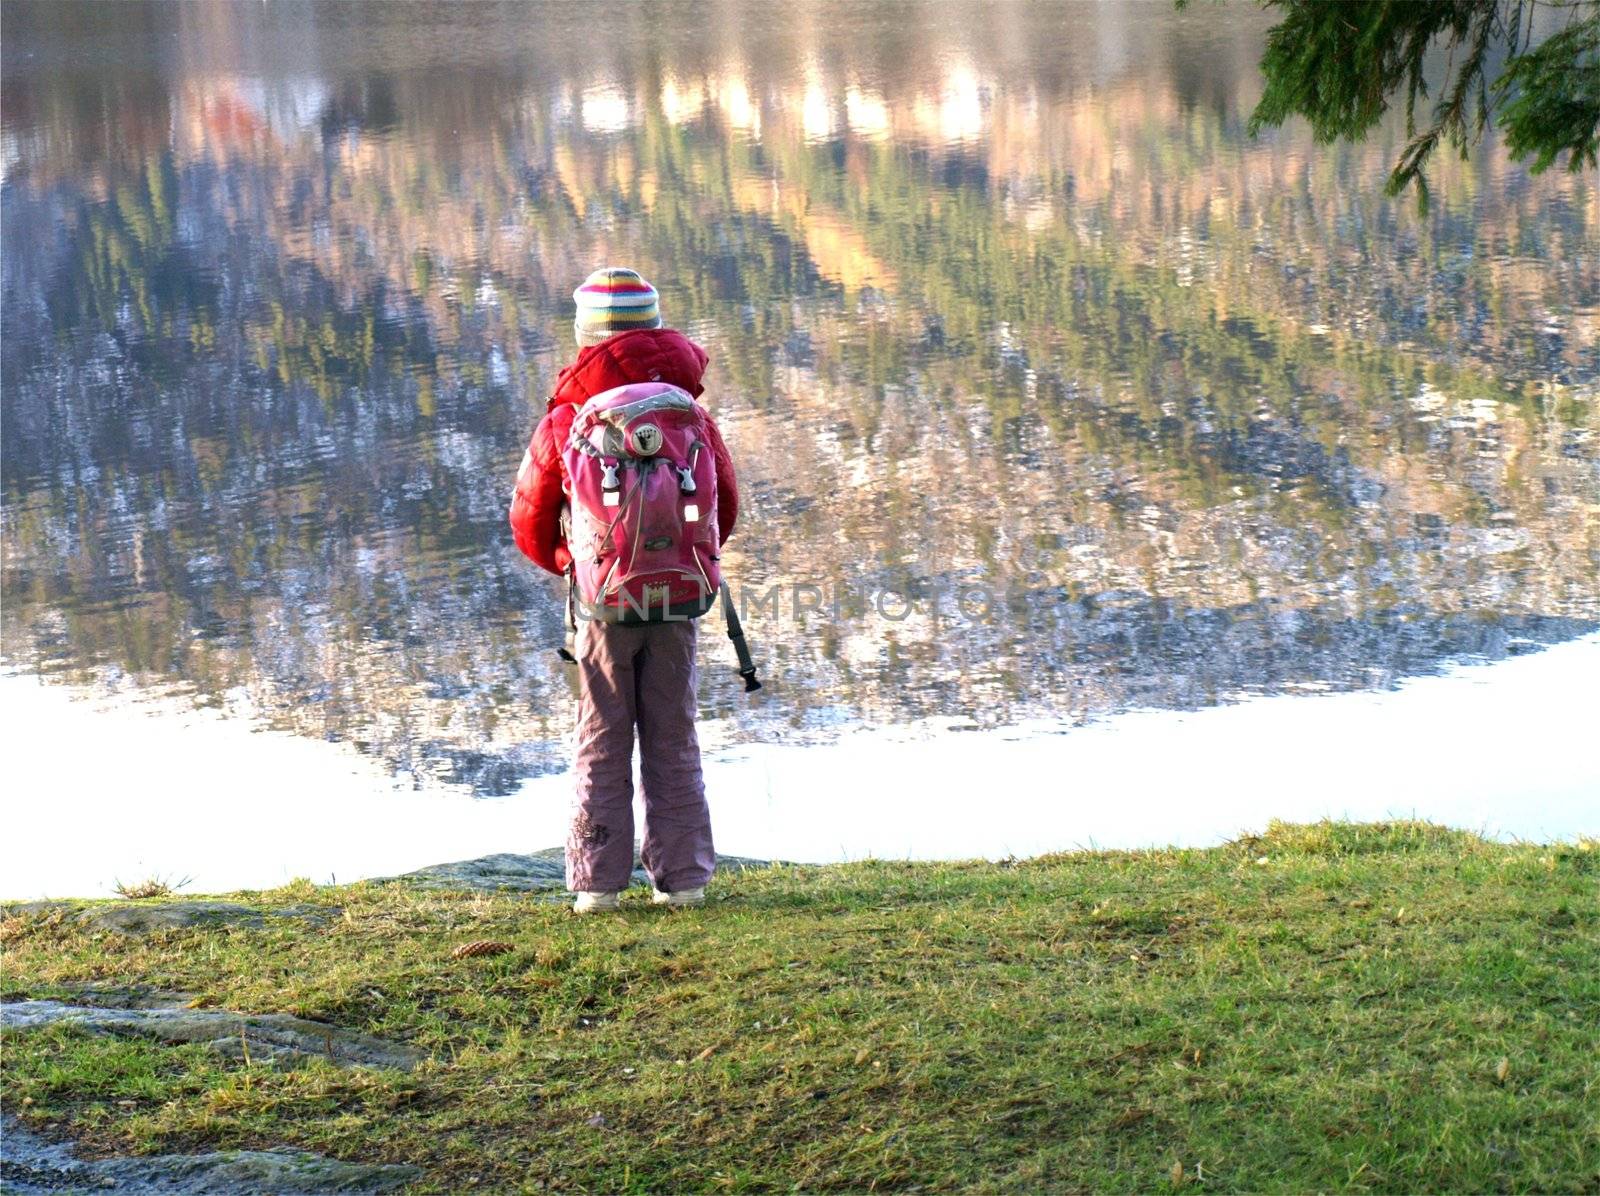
(1364, 1008)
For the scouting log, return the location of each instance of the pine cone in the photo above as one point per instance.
(480, 947)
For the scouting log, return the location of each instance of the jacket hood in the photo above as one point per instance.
(640, 355)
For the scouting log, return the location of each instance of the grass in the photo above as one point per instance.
(151, 886)
(1331, 1007)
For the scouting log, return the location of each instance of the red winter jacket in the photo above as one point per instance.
(643, 355)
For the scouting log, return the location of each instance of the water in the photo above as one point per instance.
(996, 297)
(1487, 748)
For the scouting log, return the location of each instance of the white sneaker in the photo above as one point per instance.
(681, 897)
(595, 903)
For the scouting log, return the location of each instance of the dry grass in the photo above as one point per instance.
(152, 886)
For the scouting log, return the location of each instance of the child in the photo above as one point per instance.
(629, 675)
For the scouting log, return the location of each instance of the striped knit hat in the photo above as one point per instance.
(614, 300)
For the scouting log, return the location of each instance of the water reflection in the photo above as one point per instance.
(1005, 298)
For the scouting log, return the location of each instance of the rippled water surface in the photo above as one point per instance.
(996, 297)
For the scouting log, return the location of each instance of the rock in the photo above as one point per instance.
(146, 918)
(277, 1036)
(130, 996)
(742, 863)
(33, 909)
(521, 873)
(254, 1171)
(31, 1166)
(316, 914)
(541, 871)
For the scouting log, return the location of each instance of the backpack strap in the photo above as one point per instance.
(747, 667)
(568, 651)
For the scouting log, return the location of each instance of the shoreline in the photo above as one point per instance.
(1495, 748)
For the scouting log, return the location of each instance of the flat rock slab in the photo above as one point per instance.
(129, 996)
(34, 909)
(277, 1036)
(542, 871)
(31, 1166)
(146, 917)
(521, 873)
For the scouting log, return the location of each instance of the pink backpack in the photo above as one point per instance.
(642, 506)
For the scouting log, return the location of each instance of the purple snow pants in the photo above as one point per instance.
(644, 676)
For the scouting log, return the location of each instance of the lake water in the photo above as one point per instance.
(1091, 415)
